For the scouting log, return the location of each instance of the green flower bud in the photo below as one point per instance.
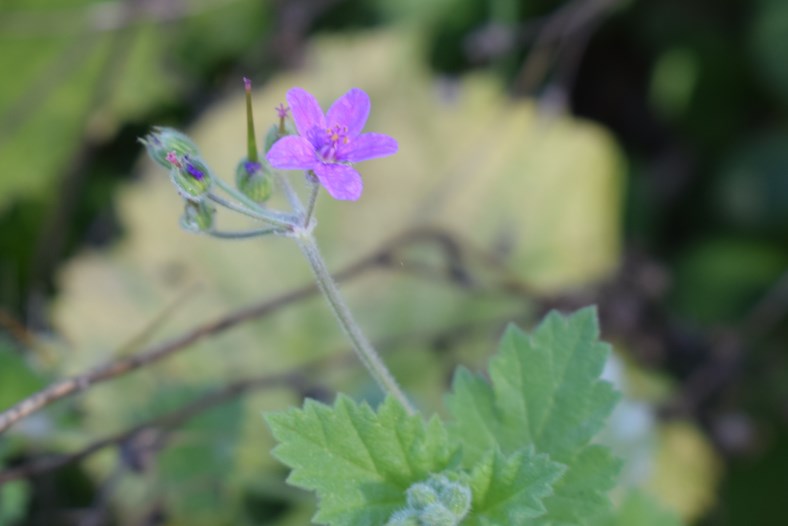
(404, 518)
(161, 141)
(441, 500)
(437, 515)
(421, 495)
(197, 216)
(254, 180)
(275, 132)
(190, 175)
(271, 137)
(456, 498)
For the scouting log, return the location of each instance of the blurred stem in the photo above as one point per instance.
(284, 183)
(361, 345)
(237, 207)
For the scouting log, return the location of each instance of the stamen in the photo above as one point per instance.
(172, 158)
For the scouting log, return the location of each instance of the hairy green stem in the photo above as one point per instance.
(244, 234)
(292, 196)
(310, 207)
(252, 207)
(363, 348)
(236, 207)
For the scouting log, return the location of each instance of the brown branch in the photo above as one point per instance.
(565, 23)
(113, 369)
(152, 354)
(162, 423)
(159, 426)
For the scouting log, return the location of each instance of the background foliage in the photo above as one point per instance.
(630, 154)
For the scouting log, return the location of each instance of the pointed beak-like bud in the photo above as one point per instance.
(254, 179)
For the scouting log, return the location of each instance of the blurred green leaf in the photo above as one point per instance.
(197, 454)
(720, 280)
(14, 497)
(769, 39)
(673, 81)
(81, 70)
(638, 509)
(752, 189)
(19, 380)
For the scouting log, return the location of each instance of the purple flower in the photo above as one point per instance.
(328, 144)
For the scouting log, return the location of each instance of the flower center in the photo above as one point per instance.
(331, 141)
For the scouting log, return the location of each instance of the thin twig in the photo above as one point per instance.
(163, 422)
(563, 24)
(152, 354)
(167, 422)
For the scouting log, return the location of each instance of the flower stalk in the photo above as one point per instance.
(361, 345)
(326, 146)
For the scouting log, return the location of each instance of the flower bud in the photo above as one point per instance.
(254, 180)
(271, 137)
(421, 495)
(161, 141)
(190, 175)
(404, 518)
(276, 132)
(456, 498)
(438, 515)
(197, 216)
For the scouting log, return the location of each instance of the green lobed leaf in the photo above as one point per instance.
(544, 391)
(510, 489)
(581, 494)
(359, 461)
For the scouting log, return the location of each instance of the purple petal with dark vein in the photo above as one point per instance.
(306, 111)
(342, 182)
(351, 110)
(368, 146)
(292, 153)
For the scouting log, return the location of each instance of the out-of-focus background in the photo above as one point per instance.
(631, 154)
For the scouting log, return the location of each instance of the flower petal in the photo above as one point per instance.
(292, 153)
(341, 181)
(306, 111)
(368, 146)
(351, 110)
